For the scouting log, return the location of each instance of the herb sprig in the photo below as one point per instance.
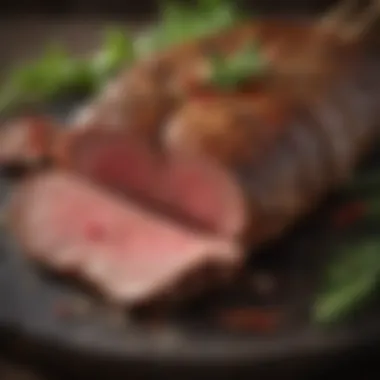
(229, 72)
(354, 274)
(181, 23)
(57, 72)
(350, 280)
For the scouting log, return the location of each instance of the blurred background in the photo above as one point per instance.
(112, 7)
(25, 25)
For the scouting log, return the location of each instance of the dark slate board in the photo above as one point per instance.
(36, 305)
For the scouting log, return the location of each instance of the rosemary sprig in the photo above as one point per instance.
(354, 275)
(350, 280)
(179, 23)
(229, 72)
(57, 72)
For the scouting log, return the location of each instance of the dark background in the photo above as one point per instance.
(26, 25)
(111, 7)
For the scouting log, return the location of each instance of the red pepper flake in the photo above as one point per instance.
(349, 214)
(251, 319)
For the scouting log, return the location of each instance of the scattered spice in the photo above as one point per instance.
(252, 319)
(349, 214)
(356, 210)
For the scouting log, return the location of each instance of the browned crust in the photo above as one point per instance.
(232, 128)
(163, 78)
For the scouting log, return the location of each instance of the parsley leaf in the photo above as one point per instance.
(43, 78)
(56, 72)
(349, 280)
(117, 51)
(180, 23)
(228, 72)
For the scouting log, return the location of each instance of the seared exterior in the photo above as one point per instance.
(312, 151)
(143, 97)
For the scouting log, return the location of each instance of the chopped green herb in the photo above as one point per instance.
(355, 274)
(56, 72)
(228, 72)
(350, 279)
(180, 23)
(118, 50)
(42, 78)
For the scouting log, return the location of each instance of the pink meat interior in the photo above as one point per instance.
(191, 187)
(126, 251)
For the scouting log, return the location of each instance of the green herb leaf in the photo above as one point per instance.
(56, 72)
(36, 79)
(117, 51)
(180, 23)
(350, 279)
(229, 72)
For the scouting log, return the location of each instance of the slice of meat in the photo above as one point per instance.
(130, 254)
(26, 141)
(192, 188)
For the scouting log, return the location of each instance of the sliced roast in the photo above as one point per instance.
(128, 253)
(191, 188)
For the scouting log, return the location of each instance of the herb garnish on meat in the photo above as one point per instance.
(229, 72)
(57, 72)
(180, 24)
